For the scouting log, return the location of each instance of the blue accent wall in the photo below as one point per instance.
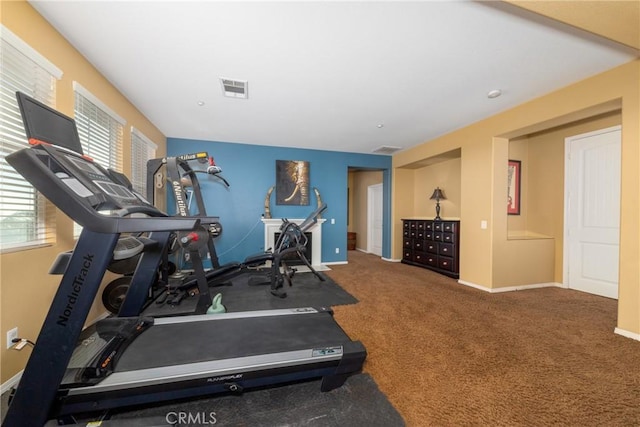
(251, 171)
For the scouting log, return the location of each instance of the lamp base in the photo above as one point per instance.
(437, 218)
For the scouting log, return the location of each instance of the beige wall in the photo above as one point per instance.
(488, 258)
(358, 183)
(446, 175)
(615, 19)
(26, 288)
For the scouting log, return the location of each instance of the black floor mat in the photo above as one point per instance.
(307, 291)
(358, 402)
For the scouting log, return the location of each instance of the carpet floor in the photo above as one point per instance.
(448, 354)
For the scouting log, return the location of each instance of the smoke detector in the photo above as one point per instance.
(234, 88)
(386, 149)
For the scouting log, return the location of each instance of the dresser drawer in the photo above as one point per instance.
(445, 263)
(450, 227)
(431, 247)
(448, 237)
(446, 249)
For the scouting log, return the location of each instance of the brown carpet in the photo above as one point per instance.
(448, 354)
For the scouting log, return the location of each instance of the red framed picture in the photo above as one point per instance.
(513, 188)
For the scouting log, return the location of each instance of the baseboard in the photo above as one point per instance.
(511, 288)
(336, 263)
(382, 258)
(627, 334)
(6, 386)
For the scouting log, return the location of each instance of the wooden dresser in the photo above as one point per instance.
(432, 244)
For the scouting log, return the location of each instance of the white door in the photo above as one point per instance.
(374, 219)
(592, 220)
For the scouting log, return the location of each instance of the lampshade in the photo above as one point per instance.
(437, 195)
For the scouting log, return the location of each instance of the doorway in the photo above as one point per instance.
(592, 212)
(374, 219)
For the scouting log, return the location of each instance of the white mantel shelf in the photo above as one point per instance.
(272, 226)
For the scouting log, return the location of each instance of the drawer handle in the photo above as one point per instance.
(445, 263)
(418, 257)
(444, 249)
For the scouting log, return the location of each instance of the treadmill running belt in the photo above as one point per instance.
(191, 342)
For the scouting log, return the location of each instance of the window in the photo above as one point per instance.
(100, 130)
(26, 218)
(142, 149)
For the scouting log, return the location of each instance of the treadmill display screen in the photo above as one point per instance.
(48, 125)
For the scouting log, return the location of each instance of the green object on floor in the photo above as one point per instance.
(216, 305)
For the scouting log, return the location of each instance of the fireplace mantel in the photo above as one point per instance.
(272, 226)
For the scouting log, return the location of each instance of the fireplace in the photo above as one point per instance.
(314, 251)
(293, 258)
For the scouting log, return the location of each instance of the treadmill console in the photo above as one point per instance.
(88, 180)
(62, 173)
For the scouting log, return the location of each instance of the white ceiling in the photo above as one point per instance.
(325, 74)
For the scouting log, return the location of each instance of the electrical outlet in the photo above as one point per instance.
(337, 250)
(13, 333)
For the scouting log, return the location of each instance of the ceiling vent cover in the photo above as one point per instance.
(386, 149)
(234, 88)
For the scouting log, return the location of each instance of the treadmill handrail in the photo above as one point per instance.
(38, 173)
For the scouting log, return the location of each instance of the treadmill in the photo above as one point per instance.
(125, 361)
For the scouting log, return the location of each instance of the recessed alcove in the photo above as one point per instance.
(442, 170)
(535, 237)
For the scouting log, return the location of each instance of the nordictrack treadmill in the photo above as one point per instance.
(136, 360)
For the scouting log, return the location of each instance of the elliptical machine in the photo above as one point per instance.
(175, 292)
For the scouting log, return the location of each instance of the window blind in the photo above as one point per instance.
(26, 217)
(142, 150)
(100, 130)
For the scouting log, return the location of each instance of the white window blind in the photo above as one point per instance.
(142, 149)
(100, 130)
(26, 218)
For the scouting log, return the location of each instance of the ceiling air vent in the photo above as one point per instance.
(386, 149)
(234, 88)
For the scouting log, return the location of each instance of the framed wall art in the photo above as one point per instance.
(292, 182)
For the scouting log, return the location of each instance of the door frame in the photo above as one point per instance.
(565, 242)
(370, 208)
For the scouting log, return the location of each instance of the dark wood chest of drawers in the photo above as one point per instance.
(432, 244)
